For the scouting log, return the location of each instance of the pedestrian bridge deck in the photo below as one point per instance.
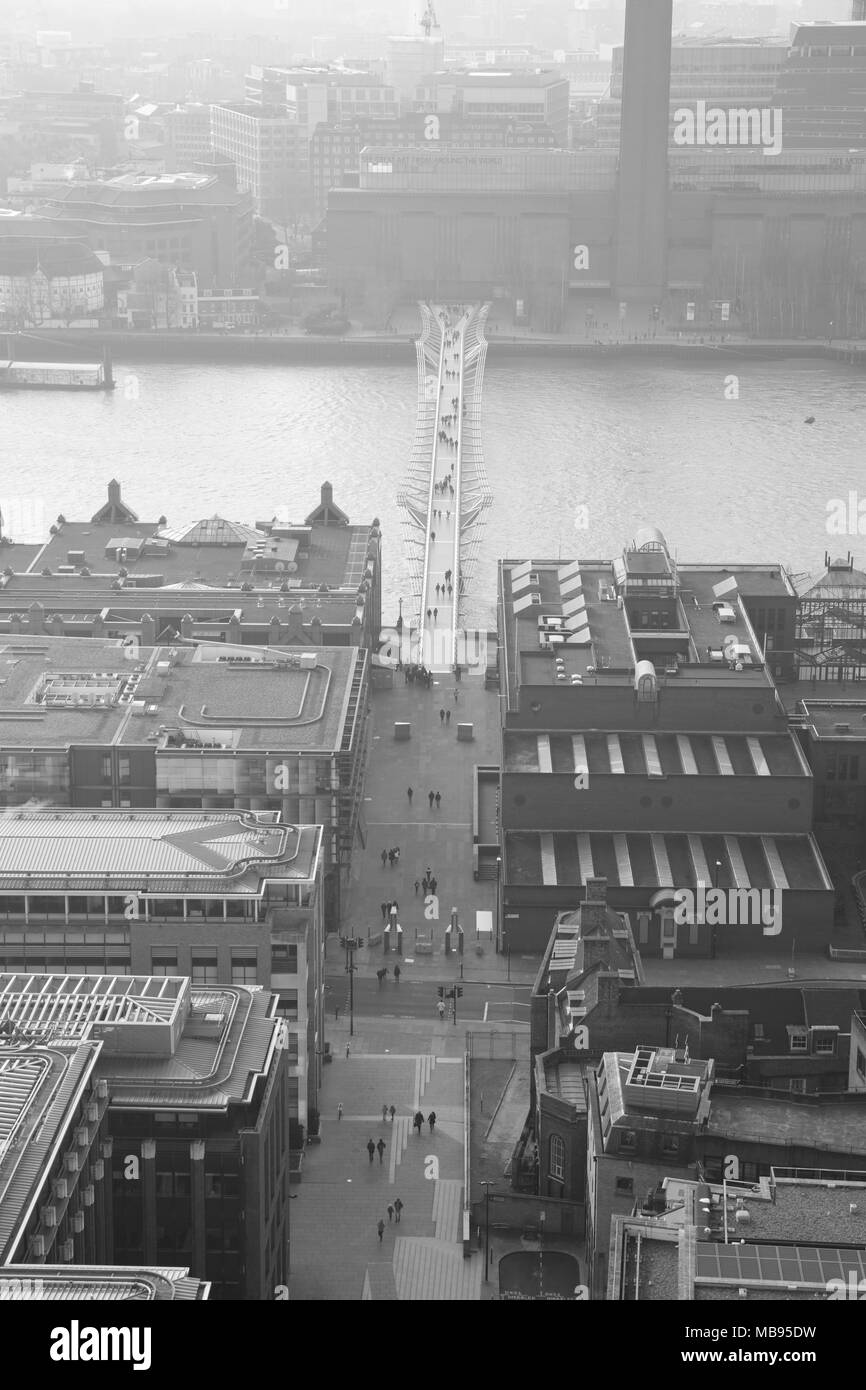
(446, 491)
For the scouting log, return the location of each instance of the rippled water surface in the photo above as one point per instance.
(726, 480)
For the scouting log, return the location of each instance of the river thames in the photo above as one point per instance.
(578, 453)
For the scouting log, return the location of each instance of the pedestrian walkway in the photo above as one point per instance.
(431, 760)
(446, 491)
(335, 1249)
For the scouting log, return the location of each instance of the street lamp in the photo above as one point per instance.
(498, 901)
(487, 1186)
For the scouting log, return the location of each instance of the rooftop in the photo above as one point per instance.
(836, 719)
(41, 1090)
(205, 1054)
(161, 852)
(320, 564)
(589, 621)
(99, 1283)
(564, 858)
(58, 691)
(656, 754)
(791, 1122)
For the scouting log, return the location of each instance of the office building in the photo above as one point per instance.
(335, 150)
(166, 1141)
(188, 220)
(269, 152)
(820, 87)
(187, 137)
(636, 697)
(537, 98)
(278, 583)
(722, 72)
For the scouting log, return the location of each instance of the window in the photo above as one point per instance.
(627, 1141)
(204, 967)
(557, 1158)
(825, 1045)
(163, 962)
(284, 959)
(797, 1085)
(624, 1186)
(799, 1039)
(105, 767)
(670, 1144)
(288, 1005)
(244, 968)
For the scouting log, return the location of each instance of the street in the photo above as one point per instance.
(500, 1003)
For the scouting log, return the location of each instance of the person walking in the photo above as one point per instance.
(431, 797)
(391, 857)
(429, 612)
(385, 907)
(390, 1212)
(434, 884)
(435, 615)
(441, 716)
(417, 1123)
(417, 886)
(384, 1114)
(398, 1207)
(371, 1149)
(381, 1226)
(448, 716)
(410, 794)
(381, 1144)
(437, 798)
(392, 1113)
(455, 697)
(431, 1120)
(384, 857)
(396, 981)
(340, 1111)
(440, 1009)
(348, 1049)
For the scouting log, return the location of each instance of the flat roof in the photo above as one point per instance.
(234, 697)
(99, 1283)
(592, 636)
(225, 1038)
(836, 719)
(234, 853)
(566, 858)
(641, 754)
(209, 550)
(831, 1126)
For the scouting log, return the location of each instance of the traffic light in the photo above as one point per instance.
(458, 989)
(441, 991)
(359, 941)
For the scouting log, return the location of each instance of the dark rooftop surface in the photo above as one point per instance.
(832, 1126)
(836, 719)
(609, 655)
(266, 701)
(524, 750)
(562, 858)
